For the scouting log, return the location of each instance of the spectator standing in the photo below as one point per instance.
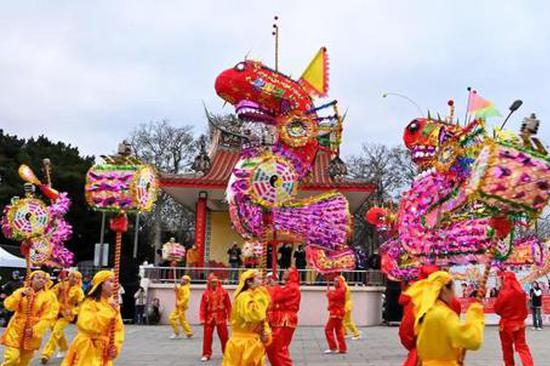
(86, 283)
(536, 305)
(300, 261)
(154, 312)
(234, 254)
(140, 299)
(285, 256)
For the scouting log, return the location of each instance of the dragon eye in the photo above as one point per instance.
(240, 66)
(413, 127)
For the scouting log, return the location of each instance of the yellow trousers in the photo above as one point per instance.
(57, 338)
(16, 357)
(350, 326)
(244, 349)
(177, 317)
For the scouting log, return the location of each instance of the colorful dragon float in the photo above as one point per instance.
(472, 190)
(284, 131)
(41, 229)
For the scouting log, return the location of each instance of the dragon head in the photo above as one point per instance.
(261, 94)
(424, 136)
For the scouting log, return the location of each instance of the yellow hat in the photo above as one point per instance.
(34, 273)
(424, 293)
(99, 278)
(186, 277)
(251, 273)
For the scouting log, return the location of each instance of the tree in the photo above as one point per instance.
(391, 170)
(171, 150)
(69, 172)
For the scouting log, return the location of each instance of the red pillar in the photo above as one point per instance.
(200, 226)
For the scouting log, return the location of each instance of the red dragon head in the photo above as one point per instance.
(424, 136)
(261, 94)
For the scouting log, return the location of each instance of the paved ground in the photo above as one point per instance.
(148, 345)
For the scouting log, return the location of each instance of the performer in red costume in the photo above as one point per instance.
(337, 311)
(214, 312)
(406, 328)
(511, 305)
(283, 317)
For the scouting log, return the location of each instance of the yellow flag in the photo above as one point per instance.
(315, 77)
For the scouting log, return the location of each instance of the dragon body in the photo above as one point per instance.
(263, 189)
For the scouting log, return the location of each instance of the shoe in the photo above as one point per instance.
(205, 359)
(60, 354)
(342, 352)
(174, 336)
(44, 360)
(348, 336)
(189, 335)
(357, 337)
(539, 328)
(328, 352)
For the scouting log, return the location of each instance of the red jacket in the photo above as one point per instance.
(285, 302)
(215, 305)
(511, 303)
(337, 302)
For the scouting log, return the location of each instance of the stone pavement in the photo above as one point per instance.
(149, 345)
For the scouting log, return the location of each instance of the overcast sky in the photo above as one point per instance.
(87, 72)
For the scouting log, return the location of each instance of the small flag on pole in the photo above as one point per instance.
(482, 108)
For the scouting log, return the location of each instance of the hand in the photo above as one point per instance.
(67, 313)
(28, 333)
(26, 292)
(112, 352)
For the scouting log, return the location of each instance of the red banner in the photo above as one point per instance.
(200, 229)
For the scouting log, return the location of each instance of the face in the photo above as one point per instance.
(38, 281)
(73, 279)
(447, 292)
(184, 281)
(286, 274)
(108, 287)
(214, 284)
(254, 282)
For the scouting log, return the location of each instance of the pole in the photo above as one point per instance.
(466, 117)
(102, 232)
(136, 236)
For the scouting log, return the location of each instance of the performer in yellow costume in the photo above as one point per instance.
(442, 336)
(349, 324)
(100, 329)
(69, 296)
(35, 309)
(250, 330)
(183, 292)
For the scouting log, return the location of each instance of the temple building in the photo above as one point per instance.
(204, 192)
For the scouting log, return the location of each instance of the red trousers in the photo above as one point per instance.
(335, 326)
(278, 351)
(207, 341)
(411, 359)
(513, 337)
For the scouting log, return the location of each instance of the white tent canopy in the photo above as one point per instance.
(9, 260)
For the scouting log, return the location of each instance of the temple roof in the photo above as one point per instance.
(184, 188)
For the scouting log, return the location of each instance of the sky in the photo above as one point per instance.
(88, 72)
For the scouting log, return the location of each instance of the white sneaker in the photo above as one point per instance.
(357, 337)
(174, 336)
(328, 352)
(205, 359)
(60, 355)
(348, 336)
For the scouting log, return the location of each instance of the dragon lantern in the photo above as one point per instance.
(472, 189)
(283, 132)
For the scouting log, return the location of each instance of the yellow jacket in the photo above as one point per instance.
(183, 292)
(442, 336)
(91, 344)
(248, 314)
(43, 310)
(69, 298)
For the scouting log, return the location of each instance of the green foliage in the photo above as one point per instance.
(68, 175)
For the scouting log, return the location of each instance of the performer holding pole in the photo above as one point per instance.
(100, 330)
(215, 310)
(250, 331)
(34, 309)
(69, 296)
(336, 307)
(511, 306)
(177, 316)
(441, 335)
(285, 304)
